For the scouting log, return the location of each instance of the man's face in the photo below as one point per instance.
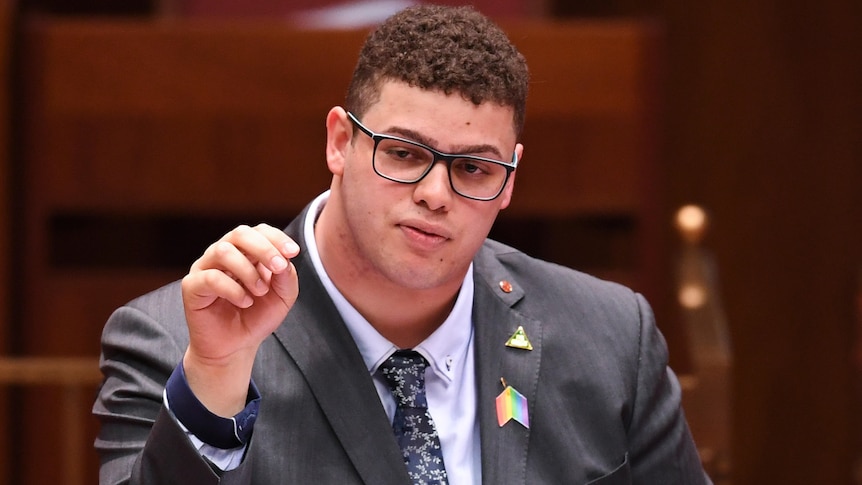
(420, 235)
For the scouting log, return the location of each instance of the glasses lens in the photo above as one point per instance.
(400, 160)
(477, 178)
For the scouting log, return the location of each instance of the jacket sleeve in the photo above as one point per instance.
(139, 441)
(661, 447)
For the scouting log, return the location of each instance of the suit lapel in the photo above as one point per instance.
(504, 448)
(321, 346)
(319, 343)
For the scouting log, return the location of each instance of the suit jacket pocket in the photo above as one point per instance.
(620, 476)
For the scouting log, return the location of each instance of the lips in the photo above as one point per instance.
(424, 234)
(426, 228)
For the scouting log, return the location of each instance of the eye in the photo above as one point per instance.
(400, 151)
(473, 168)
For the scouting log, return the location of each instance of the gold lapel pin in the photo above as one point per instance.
(519, 340)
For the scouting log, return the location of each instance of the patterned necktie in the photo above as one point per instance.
(404, 371)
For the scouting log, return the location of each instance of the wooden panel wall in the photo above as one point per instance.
(5, 225)
(765, 116)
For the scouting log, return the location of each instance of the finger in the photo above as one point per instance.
(250, 255)
(202, 288)
(286, 285)
(264, 244)
(264, 272)
(235, 264)
(281, 241)
(265, 279)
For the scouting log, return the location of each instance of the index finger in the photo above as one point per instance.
(263, 244)
(285, 245)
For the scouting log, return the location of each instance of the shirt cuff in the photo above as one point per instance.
(214, 430)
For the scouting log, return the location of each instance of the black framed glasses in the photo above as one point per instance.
(408, 162)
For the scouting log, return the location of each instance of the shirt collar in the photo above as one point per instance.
(445, 349)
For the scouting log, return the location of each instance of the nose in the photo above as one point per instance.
(434, 189)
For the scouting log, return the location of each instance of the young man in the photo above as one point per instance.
(417, 351)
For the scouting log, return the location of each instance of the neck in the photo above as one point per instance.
(406, 321)
(404, 316)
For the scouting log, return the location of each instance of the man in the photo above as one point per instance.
(417, 351)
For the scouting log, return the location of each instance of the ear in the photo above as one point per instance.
(339, 133)
(506, 196)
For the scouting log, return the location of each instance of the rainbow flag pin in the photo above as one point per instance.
(511, 404)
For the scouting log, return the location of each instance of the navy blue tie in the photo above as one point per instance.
(414, 429)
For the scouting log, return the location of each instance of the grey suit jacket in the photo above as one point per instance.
(604, 407)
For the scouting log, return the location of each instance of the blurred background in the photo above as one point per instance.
(706, 153)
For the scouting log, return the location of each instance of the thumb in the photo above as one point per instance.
(286, 285)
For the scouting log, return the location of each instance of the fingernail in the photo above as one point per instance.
(278, 263)
(291, 247)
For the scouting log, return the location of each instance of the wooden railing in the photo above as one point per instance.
(73, 376)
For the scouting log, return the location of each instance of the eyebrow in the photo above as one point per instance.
(458, 150)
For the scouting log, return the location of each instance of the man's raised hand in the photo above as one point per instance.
(235, 295)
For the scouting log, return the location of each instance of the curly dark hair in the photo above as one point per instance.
(450, 49)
